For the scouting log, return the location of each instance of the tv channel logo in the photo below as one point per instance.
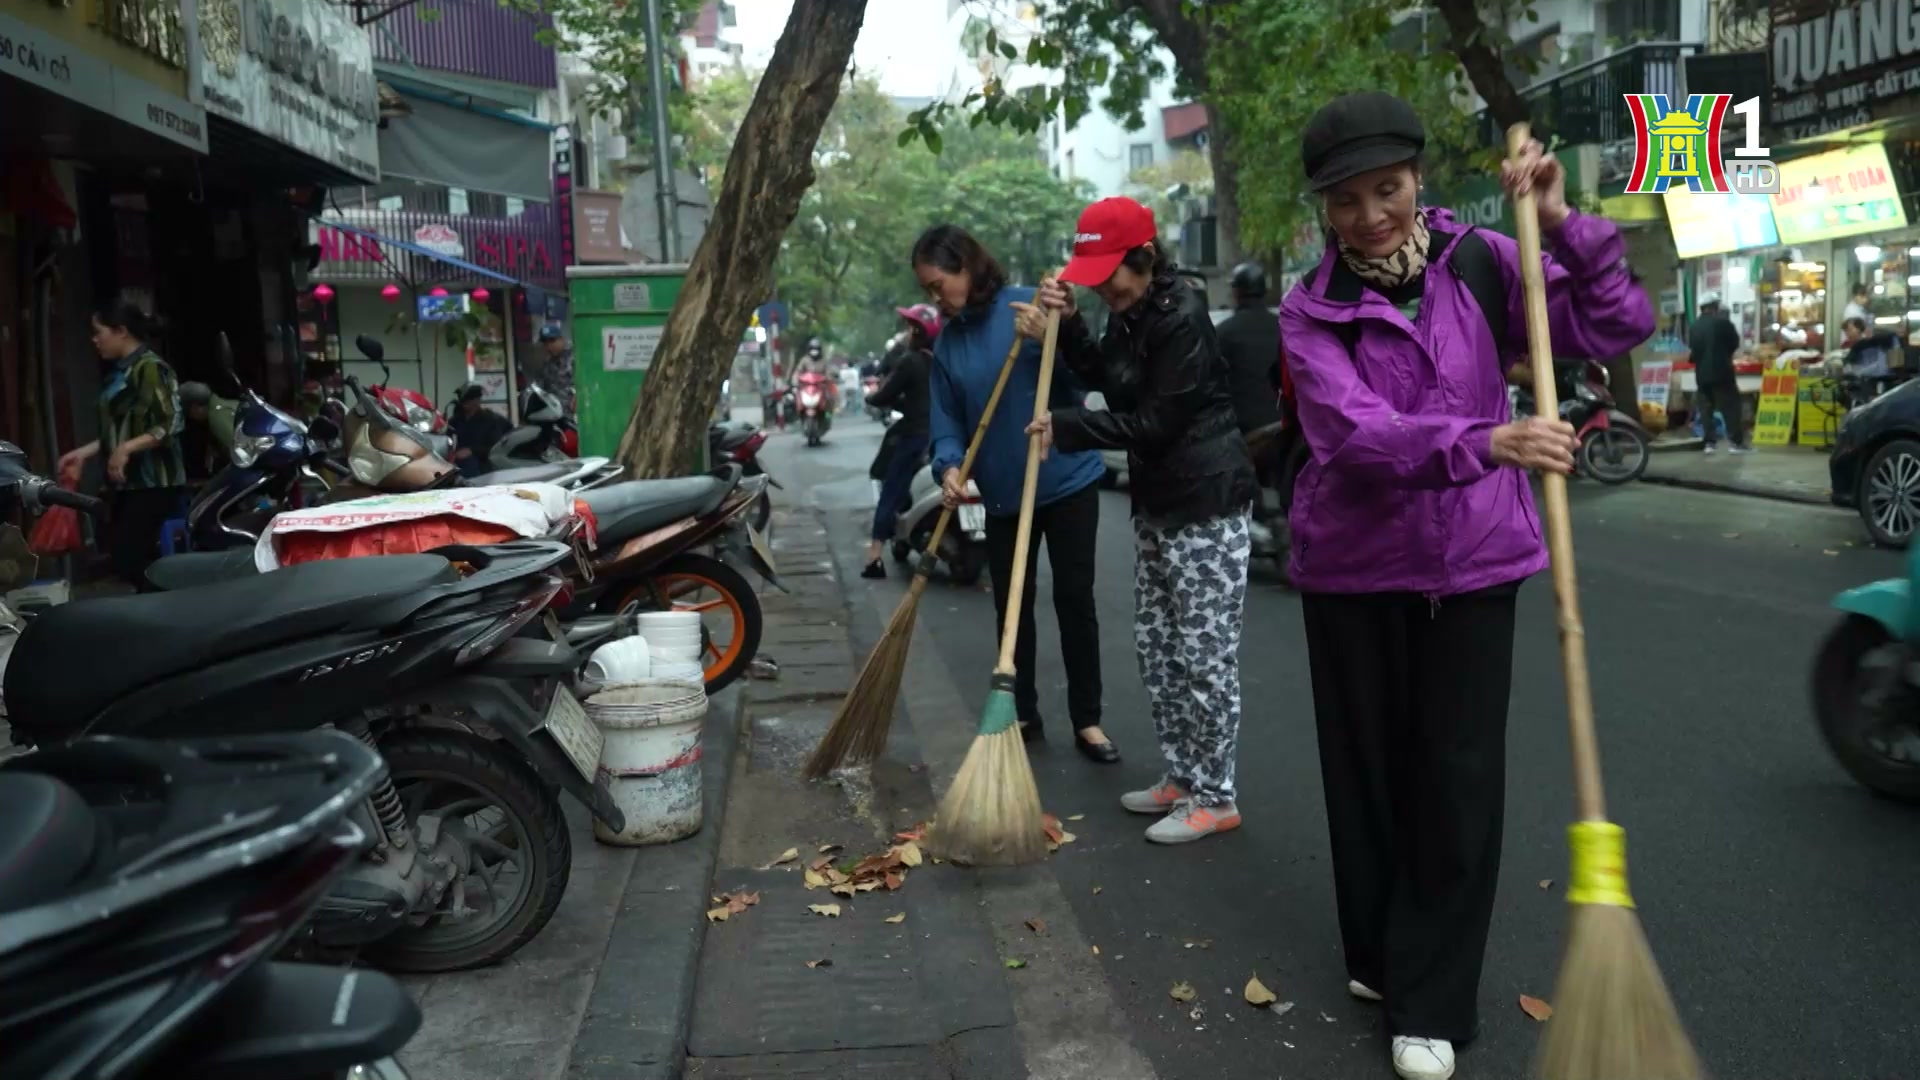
(1683, 146)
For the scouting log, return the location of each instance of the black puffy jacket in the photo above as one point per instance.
(1169, 405)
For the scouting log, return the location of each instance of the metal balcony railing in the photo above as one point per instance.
(1587, 104)
(525, 248)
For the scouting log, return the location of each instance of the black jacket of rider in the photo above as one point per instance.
(1169, 405)
(906, 391)
(1250, 342)
(479, 431)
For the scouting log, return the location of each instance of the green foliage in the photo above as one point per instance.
(843, 265)
(1331, 47)
(611, 35)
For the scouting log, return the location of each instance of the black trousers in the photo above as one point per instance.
(1725, 394)
(133, 530)
(1070, 528)
(1410, 698)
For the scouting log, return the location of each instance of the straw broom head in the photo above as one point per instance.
(1613, 1018)
(991, 815)
(860, 727)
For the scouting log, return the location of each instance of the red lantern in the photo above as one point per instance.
(323, 293)
(436, 291)
(390, 293)
(481, 296)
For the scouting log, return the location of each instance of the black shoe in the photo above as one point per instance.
(874, 571)
(1101, 753)
(1032, 732)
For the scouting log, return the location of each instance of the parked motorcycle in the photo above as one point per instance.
(145, 887)
(814, 404)
(739, 444)
(1282, 453)
(406, 652)
(1866, 685)
(276, 462)
(1614, 446)
(542, 435)
(963, 548)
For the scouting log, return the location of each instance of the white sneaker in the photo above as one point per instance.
(1415, 1058)
(1707, 449)
(1187, 822)
(1157, 799)
(1739, 449)
(1363, 991)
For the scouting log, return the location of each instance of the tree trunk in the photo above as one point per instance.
(1467, 40)
(1187, 38)
(770, 168)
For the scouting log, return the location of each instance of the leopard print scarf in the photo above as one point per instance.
(1407, 262)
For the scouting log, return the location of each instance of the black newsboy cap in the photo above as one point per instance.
(1358, 133)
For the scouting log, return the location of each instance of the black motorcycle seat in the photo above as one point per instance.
(194, 569)
(78, 658)
(732, 434)
(47, 837)
(531, 474)
(624, 511)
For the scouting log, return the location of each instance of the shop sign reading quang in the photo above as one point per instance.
(299, 71)
(1836, 66)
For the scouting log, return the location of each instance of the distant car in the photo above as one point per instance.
(1875, 467)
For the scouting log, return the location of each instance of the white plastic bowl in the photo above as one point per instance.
(689, 652)
(670, 670)
(651, 621)
(627, 660)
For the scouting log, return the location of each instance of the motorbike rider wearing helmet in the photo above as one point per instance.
(198, 447)
(905, 391)
(1250, 342)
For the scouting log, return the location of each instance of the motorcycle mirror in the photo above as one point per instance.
(223, 354)
(370, 348)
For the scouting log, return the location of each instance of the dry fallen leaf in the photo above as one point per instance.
(900, 918)
(819, 963)
(1258, 994)
(1281, 1008)
(1015, 964)
(909, 853)
(718, 914)
(917, 833)
(815, 880)
(1829, 551)
(894, 880)
(1067, 838)
(1038, 926)
(1096, 890)
(1535, 1008)
(866, 886)
(1182, 992)
(786, 856)
(1096, 950)
(831, 911)
(842, 890)
(828, 849)
(1076, 817)
(1546, 883)
(1051, 826)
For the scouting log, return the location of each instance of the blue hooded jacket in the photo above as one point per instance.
(966, 362)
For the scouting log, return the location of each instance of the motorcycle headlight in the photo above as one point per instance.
(1586, 393)
(419, 417)
(248, 448)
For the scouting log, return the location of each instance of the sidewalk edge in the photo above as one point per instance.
(1756, 491)
(641, 1006)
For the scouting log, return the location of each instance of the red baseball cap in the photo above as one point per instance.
(1107, 231)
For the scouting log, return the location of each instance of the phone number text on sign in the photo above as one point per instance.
(629, 348)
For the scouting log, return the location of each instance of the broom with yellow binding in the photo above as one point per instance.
(859, 730)
(991, 815)
(1613, 1018)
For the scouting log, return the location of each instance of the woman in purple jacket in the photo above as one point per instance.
(1413, 528)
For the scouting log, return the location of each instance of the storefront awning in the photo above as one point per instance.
(423, 251)
(443, 142)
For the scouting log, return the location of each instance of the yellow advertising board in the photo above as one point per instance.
(1839, 193)
(1773, 419)
(1819, 412)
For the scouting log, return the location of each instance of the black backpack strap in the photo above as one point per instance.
(1473, 263)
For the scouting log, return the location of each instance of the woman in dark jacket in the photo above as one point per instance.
(905, 392)
(1170, 407)
(1413, 528)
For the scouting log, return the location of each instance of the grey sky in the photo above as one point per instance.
(903, 41)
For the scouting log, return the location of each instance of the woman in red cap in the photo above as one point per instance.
(1413, 529)
(905, 391)
(1170, 407)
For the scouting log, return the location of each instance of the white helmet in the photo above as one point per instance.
(1709, 299)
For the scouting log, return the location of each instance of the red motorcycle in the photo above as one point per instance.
(1614, 445)
(814, 398)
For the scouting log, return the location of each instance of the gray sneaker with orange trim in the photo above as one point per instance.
(1157, 799)
(1189, 821)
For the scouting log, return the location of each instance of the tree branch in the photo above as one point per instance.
(1468, 40)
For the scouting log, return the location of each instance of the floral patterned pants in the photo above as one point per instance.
(1189, 587)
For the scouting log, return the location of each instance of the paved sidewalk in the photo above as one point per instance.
(1790, 473)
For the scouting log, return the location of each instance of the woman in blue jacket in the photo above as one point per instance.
(968, 286)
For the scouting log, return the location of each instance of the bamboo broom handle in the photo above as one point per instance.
(1017, 583)
(973, 448)
(1589, 798)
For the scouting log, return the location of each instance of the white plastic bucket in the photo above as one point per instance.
(651, 758)
(666, 669)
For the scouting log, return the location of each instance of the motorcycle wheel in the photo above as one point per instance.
(694, 582)
(1853, 724)
(1614, 455)
(966, 570)
(443, 770)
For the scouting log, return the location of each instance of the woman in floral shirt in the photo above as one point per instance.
(140, 424)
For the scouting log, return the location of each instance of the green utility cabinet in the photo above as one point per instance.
(618, 315)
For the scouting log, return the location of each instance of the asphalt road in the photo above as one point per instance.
(1778, 895)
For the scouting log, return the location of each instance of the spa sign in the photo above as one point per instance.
(298, 71)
